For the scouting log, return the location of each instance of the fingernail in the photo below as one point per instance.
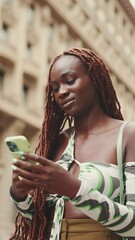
(14, 160)
(21, 153)
(13, 167)
(37, 163)
(20, 178)
(23, 158)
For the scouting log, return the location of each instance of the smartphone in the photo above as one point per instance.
(16, 144)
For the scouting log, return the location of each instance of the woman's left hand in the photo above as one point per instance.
(46, 174)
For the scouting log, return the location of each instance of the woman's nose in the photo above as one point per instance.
(63, 91)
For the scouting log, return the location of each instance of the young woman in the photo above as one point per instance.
(73, 189)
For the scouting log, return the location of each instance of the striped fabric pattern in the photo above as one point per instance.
(26, 207)
(103, 207)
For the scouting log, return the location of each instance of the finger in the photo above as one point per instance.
(31, 183)
(21, 164)
(18, 162)
(36, 168)
(26, 174)
(20, 178)
(38, 159)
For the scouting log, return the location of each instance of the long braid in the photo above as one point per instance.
(54, 121)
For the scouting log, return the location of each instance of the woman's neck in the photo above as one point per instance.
(92, 124)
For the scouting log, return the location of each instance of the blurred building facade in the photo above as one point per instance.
(31, 34)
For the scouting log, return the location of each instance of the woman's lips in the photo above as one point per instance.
(67, 103)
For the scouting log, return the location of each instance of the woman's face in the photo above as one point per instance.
(72, 86)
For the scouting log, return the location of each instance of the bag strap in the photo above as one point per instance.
(120, 161)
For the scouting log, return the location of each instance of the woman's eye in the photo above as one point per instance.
(71, 81)
(54, 88)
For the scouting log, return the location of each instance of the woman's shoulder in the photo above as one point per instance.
(129, 130)
(129, 142)
(129, 133)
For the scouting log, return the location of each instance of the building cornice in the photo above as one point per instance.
(128, 8)
(126, 5)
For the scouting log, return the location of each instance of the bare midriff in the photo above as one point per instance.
(72, 212)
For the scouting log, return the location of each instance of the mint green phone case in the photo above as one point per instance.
(16, 144)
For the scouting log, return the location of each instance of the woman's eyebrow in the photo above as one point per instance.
(66, 73)
(53, 82)
(63, 75)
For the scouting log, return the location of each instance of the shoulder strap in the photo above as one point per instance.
(70, 146)
(120, 161)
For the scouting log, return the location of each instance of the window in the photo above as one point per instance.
(116, 10)
(4, 31)
(131, 32)
(28, 51)
(50, 32)
(2, 74)
(28, 90)
(124, 22)
(31, 13)
(25, 92)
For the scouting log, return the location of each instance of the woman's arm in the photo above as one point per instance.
(25, 206)
(19, 194)
(19, 190)
(117, 217)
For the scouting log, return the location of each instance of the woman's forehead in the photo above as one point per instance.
(67, 62)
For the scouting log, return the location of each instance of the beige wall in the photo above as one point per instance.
(31, 33)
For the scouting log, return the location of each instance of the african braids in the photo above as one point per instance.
(54, 121)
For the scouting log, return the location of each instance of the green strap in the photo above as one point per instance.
(120, 161)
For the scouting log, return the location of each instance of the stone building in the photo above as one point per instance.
(31, 33)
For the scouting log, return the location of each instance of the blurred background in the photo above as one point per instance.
(31, 34)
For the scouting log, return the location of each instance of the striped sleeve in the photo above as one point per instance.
(130, 184)
(116, 217)
(26, 207)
